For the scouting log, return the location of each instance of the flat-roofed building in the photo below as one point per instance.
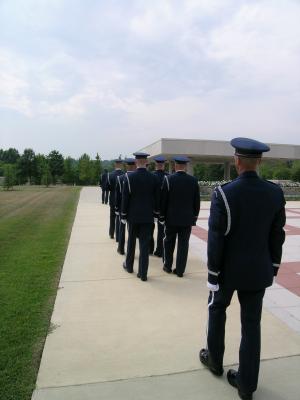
(214, 152)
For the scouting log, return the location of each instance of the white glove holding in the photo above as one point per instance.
(117, 213)
(211, 287)
(155, 220)
(161, 222)
(123, 221)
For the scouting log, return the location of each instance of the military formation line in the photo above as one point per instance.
(140, 199)
(244, 249)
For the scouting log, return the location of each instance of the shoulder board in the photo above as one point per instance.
(224, 184)
(272, 183)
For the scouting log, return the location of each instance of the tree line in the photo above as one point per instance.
(277, 170)
(53, 168)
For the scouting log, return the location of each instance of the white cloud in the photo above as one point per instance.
(13, 84)
(164, 68)
(260, 45)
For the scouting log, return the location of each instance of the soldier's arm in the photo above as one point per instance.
(217, 225)
(125, 197)
(196, 201)
(156, 198)
(108, 185)
(118, 195)
(277, 237)
(164, 195)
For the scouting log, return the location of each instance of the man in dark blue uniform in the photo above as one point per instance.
(160, 173)
(245, 241)
(111, 186)
(140, 200)
(130, 167)
(103, 185)
(179, 209)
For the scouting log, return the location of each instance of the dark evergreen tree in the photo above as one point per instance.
(56, 165)
(295, 171)
(41, 164)
(9, 176)
(9, 156)
(70, 171)
(26, 166)
(84, 169)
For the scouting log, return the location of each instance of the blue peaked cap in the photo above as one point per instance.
(140, 154)
(118, 160)
(181, 159)
(159, 159)
(245, 147)
(129, 161)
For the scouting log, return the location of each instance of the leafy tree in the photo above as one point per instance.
(27, 165)
(46, 176)
(282, 172)
(200, 171)
(70, 171)
(2, 167)
(266, 170)
(84, 169)
(9, 176)
(41, 164)
(9, 156)
(295, 171)
(56, 164)
(97, 169)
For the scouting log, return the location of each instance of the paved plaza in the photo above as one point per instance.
(116, 337)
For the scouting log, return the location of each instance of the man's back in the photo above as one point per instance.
(140, 196)
(180, 202)
(250, 213)
(111, 185)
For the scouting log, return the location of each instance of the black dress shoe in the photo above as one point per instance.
(138, 275)
(232, 379)
(167, 270)
(144, 278)
(124, 265)
(157, 254)
(121, 252)
(204, 358)
(176, 273)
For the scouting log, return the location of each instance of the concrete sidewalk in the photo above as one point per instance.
(115, 337)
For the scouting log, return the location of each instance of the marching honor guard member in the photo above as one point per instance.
(245, 239)
(140, 201)
(111, 186)
(130, 167)
(160, 173)
(179, 209)
(103, 185)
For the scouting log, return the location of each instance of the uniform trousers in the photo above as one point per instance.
(182, 233)
(151, 243)
(249, 353)
(112, 222)
(104, 196)
(143, 233)
(117, 228)
(159, 240)
(121, 241)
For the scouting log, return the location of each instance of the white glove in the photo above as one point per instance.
(211, 287)
(155, 220)
(117, 213)
(123, 221)
(161, 222)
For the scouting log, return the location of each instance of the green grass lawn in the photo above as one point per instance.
(35, 225)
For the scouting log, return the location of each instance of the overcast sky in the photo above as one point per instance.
(113, 76)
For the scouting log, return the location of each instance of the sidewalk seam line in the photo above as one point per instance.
(155, 376)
